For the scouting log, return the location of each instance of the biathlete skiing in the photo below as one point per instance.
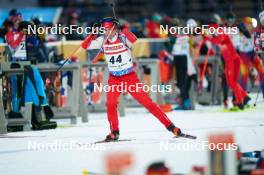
(232, 66)
(115, 45)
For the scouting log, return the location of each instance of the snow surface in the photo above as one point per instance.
(138, 124)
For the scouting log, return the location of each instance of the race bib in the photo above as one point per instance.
(20, 50)
(181, 46)
(119, 62)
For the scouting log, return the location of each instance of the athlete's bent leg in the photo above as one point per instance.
(231, 72)
(142, 97)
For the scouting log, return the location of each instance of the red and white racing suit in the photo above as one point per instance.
(16, 41)
(232, 64)
(117, 52)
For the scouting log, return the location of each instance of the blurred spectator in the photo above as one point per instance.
(181, 49)
(153, 26)
(16, 39)
(7, 24)
(158, 168)
(27, 88)
(36, 50)
(138, 30)
(74, 20)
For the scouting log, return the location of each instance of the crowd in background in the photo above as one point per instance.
(32, 47)
(25, 46)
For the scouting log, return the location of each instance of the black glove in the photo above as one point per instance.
(96, 24)
(117, 23)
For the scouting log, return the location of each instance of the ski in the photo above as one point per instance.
(104, 141)
(3, 136)
(236, 109)
(187, 136)
(112, 141)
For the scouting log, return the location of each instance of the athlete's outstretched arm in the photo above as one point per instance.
(92, 42)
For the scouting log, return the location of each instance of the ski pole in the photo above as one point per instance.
(205, 64)
(112, 4)
(255, 104)
(74, 53)
(197, 51)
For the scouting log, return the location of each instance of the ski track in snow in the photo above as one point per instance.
(147, 135)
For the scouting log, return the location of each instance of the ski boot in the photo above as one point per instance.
(176, 131)
(237, 106)
(246, 100)
(48, 112)
(37, 123)
(49, 115)
(14, 115)
(180, 107)
(241, 106)
(113, 136)
(43, 125)
(187, 104)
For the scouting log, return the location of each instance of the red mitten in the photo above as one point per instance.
(129, 35)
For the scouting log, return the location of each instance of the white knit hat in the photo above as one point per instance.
(191, 23)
